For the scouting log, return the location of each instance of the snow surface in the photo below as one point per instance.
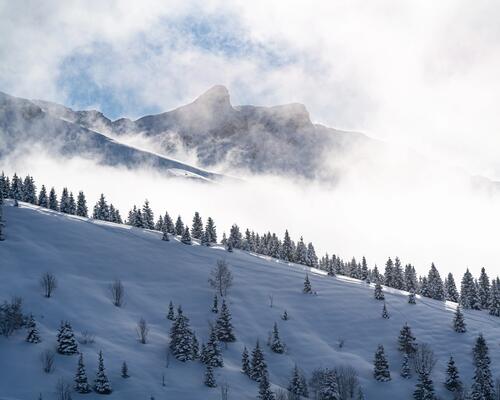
(87, 255)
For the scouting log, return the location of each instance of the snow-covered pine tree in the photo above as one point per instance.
(469, 298)
(495, 298)
(364, 269)
(72, 204)
(179, 226)
(101, 382)
(451, 289)
(412, 298)
(209, 379)
(223, 326)
(258, 365)
(33, 335)
(186, 236)
(484, 290)
(312, 258)
(275, 344)
(245, 362)
(148, 216)
(53, 204)
(424, 388)
(210, 231)
(4, 186)
(301, 252)
(124, 370)
(385, 313)
(197, 227)
(265, 392)
(379, 293)
(381, 366)
(453, 382)
(159, 226)
(406, 341)
(203, 353)
(405, 367)
(398, 279)
(410, 277)
(286, 248)
(16, 188)
(458, 321)
(181, 338)
(169, 224)
(66, 340)
(64, 202)
(81, 382)
(215, 304)
(213, 355)
(307, 285)
(424, 287)
(297, 386)
(389, 273)
(43, 200)
(329, 389)
(101, 209)
(170, 314)
(235, 237)
(482, 387)
(165, 237)
(81, 205)
(435, 284)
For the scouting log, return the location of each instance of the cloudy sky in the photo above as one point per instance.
(420, 73)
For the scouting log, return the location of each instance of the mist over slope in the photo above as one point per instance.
(87, 255)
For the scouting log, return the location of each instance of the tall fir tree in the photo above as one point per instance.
(81, 381)
(64, 202)
(181, 338)
(482, 386)
(179, 226)
(53, 203)
(484, 290)
(66, 342)
(406, 341)
(197, 227)
(245, 362)
(258, 366)
(171, 314)
(451, 289)
(265, 392)
(405, 367)
(81, 205)
(298, 386)
(459, 325)
(33, 335)
(329, 389)
(286, 248)
(389, 273)
(453, 382)
(307, 285)
(381, 366)
(424, 388)
(469, 297)
(186, 236)
(209, 379)
(435, 284)
(275, 343)
(494, 306)
(169, 224)
(148, 216)
(101, 381)
(43, 200)
(101, 209)
(223, 325)
(379, 293)
(213, 355)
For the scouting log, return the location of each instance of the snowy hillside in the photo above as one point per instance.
(86, 256)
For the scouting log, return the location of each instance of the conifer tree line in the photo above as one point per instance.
(482, 293)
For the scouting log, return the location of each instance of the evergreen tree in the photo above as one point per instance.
(101, 209)
(197, 227)
(165, 237)
(276, 344)
(53, 203)
(43, 200)
(81, 205)
(170, 314)
(179, 226)
(210, 231)
(469, 297)
(405, 367)
(16, 188)
(398, 279)
(484, 290)
(406, 341)
(389, 273)
(458, 321)
(411, 298)
(287, 248)
(64, 203)
(181, 338)
(424, 388)
(245, 362)
(385, 314)
(169, 224)
(258, 365)
(33, 335)
(312, 258)
(435, 284)
(186, 236)
(215, 305)
(29, 190)
(298, 385)
(4, 186)
(495, 298)
(72, 204)
(124, 370)
(381, 366)
(235, 237)
(223, 326)
(147, 216)
(66, 340)
(101, 382)
(265, 392)
(307, 285)
(364, 269)
(379, 293)
(329, 388)
(209, 377)
(301, 252)
(482, 387)
(81, 381)
(410, 277)
(453, 382)
(160, 225)
(213, 355)
(451, 289)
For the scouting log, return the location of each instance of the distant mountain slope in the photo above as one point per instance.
(280, 140)
(86, 256)
(56, 130)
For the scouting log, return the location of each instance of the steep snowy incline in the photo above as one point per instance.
(86, 256)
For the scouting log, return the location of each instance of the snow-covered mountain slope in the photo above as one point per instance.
(87, 255)
(53, 128)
